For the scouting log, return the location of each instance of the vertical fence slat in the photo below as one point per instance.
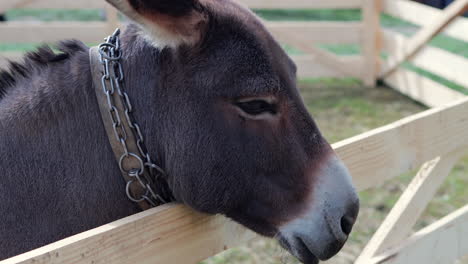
(371, 43)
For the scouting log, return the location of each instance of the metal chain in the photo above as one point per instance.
(156, 191)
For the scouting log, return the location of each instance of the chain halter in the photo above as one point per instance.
(146, 181)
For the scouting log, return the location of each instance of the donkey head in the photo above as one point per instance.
(233, 132)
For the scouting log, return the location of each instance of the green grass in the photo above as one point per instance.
(343, 49)
(306, 14)
(54, 14)
(436, 78)
(451, 44)
(19, 47)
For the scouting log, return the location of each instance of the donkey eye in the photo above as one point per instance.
(257, 107)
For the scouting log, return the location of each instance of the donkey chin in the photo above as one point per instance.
(323, 229)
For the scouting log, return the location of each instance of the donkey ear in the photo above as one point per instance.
(168, 23)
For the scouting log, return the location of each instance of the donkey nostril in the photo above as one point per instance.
(347, 224)
(348, 220)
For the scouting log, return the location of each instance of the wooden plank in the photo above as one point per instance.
(300, 33)
(422, 89)
(36, 32)
(295, 33)
(386, 152)
(406, 10)
(350, 68)
(167, 234)
(412, 203)
(371, 41)
(425, 35)
(305, 35)
(290, 4)
(174, 234)
(310, 67)
(445, 64)
(442, 242)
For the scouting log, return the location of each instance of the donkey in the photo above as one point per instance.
(217, 102)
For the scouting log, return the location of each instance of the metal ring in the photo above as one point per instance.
(140, 180)
(129, 194)
(104, 45)
(102, 50)
(131, 155)
(105, 88)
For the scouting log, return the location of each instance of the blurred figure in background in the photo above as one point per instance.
(437, 3)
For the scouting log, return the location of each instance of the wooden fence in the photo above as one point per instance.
(415, 50)
(302, 35)
(433, 140)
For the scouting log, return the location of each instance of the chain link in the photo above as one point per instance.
(155, 189)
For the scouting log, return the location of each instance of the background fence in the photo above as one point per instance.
(433, 140)
(302, 35)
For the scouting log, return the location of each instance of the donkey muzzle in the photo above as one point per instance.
(323, 229)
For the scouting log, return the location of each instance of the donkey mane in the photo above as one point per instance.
(37, 60)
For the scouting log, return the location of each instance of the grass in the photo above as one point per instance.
(54, 14)
(305, 14)
(342, 108)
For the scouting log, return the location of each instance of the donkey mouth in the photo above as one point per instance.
(300, 250)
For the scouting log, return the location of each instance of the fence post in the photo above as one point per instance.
(371, 41)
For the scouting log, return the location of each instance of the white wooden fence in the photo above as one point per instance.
(302, 35)
(415, 50)
(433, 140)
